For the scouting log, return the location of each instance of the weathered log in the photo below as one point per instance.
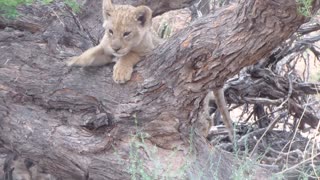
(78, 123)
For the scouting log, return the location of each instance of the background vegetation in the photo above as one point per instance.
(8, 8)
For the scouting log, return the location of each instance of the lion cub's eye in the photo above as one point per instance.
(110, 31)
(126, 34)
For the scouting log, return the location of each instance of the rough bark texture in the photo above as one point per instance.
(160, 6)
(72, 121)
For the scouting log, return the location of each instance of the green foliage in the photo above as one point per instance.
(47, 1)
(8, 8)
(164, 30)
(73, 4)
(305, 7)
(138, 167)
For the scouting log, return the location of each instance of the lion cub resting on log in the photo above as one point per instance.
(128, 36)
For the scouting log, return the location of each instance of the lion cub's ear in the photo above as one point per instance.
(143, 15)
(107, 7)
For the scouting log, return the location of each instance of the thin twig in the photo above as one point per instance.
(296, 165)
(271, 125)
(296, 130)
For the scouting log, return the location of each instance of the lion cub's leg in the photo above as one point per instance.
(94, 56)
(123, 68)
(222, 106)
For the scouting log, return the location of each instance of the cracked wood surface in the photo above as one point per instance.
(71, 121)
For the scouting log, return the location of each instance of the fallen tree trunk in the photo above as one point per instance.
(78, 123)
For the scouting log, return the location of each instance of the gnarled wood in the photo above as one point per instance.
(261, 86)
(72, 121)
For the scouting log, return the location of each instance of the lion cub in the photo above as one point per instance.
(128, 36)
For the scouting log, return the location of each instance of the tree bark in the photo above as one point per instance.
(161, 6)
(77, 123)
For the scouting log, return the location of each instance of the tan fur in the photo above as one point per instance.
(16, 169)
(222, 106)
(128, 36)
(218, 97)
(20, 171)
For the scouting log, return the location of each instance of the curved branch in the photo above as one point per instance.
(72, 121)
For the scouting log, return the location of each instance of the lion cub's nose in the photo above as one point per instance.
(116, 48)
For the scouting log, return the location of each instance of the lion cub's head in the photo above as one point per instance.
(125, 26)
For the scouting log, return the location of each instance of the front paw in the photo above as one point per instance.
(122, 73)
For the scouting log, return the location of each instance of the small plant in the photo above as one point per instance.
(73, 5)
(152, 166)
(305, 7)
(164, 30)
(8, 8)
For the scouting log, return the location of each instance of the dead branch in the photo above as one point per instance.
(46, 108)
